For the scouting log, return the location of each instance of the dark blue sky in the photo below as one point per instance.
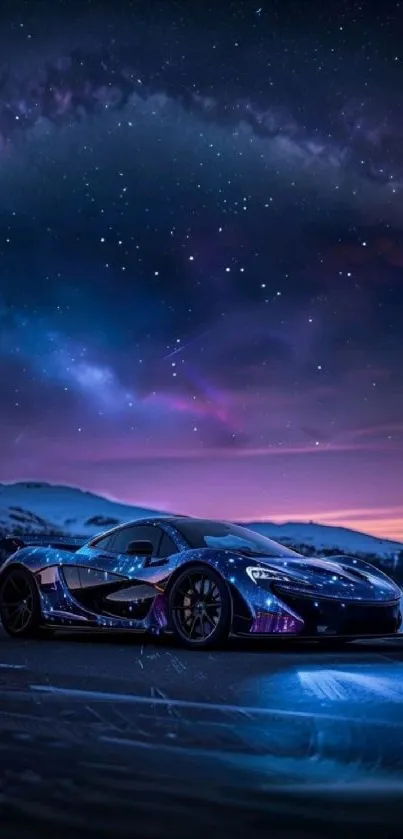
(201, 246)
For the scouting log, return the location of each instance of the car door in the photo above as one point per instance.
(132, 599)
(94, 565)
(108, 558)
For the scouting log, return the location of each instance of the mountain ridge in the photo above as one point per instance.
(38, 507)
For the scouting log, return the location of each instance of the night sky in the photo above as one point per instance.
(201, 255)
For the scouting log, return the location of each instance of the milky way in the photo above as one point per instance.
(201, 246)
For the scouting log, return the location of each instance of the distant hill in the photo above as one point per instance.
(41, 508)
(322, 537)
(44, 508)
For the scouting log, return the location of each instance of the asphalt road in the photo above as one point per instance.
(109, 736)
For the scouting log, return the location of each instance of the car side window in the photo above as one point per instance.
(105, 543)
(135, 533)
(167, 547)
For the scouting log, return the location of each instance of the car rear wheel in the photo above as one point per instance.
(200, 608)
(20, 610)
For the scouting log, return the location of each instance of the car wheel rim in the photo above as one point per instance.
(17, 602)
(197, 607)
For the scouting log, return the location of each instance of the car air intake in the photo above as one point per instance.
(334, 617)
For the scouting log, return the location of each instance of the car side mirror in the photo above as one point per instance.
(140, 547)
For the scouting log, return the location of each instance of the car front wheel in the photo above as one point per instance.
(200, 608)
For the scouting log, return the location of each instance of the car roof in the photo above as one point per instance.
(157, 519)
(170, 520)
(143, 521)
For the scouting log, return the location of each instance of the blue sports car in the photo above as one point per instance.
(200, 580)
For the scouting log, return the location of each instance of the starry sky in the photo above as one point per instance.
(201, 255)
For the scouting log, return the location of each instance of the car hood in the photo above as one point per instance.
(346, 578)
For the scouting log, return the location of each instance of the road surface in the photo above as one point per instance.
(109, 736)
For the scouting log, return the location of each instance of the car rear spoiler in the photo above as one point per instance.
(10, 544)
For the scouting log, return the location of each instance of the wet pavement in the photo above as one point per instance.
(103, 735)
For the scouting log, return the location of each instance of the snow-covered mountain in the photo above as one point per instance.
(323, 537)
(40, 508)
(44, 508)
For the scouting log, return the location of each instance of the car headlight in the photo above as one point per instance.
(257, 573)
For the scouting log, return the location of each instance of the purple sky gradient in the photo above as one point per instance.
(201, 256)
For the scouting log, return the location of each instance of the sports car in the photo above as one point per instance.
(200, 580)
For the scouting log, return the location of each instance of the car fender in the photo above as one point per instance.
(218, 560)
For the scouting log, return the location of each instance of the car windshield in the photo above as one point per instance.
(222, 535)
